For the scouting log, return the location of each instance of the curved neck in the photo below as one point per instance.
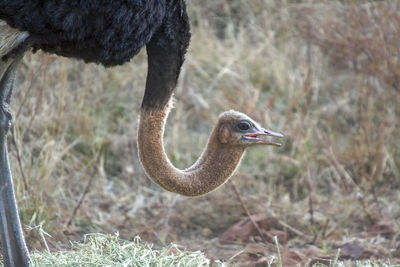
(214, 167)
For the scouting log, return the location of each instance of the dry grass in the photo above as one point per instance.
(325, 73)
(106, 250)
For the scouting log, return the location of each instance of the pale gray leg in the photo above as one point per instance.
(15, 252)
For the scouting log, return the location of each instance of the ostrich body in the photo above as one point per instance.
(111, 33)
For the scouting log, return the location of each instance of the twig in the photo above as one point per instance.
(311, 210)
(324, 227)
(311, 206)
(87, 188)
(291, 228)
(33, 78)
(310, 202)
(376, 200)
(246, 210)
(14, 142)
(36, 111)
(169, 211)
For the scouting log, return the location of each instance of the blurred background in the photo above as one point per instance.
(324, 73)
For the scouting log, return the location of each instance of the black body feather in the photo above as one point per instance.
(109, 32)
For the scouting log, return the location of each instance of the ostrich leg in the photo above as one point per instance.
(15, 252)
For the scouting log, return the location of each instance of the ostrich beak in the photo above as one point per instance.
(263, 132)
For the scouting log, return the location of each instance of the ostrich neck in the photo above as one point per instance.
(215, 165)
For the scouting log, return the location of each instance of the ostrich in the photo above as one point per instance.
(111, 33)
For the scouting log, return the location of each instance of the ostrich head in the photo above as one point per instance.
(238, 129)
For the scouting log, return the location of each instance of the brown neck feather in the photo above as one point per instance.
(215, 166)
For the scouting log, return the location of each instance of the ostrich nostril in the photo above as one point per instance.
(268, 132)
(274, 134)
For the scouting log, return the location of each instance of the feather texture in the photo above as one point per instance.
(10, 38)
(99, 31)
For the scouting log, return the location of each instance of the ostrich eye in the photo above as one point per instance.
(243, 125)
